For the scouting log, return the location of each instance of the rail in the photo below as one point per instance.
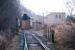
(44, 46)
(25, 45)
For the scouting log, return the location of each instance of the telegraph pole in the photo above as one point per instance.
(42, 17)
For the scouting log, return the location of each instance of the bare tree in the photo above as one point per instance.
(70, 6)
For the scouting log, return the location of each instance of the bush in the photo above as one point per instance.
(65, 35)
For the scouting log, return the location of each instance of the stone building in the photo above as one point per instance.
(55, 18)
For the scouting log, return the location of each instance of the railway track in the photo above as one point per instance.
(32, 42)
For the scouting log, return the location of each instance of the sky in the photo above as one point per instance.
(45, 6)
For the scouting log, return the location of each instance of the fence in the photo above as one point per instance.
(49, 33)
